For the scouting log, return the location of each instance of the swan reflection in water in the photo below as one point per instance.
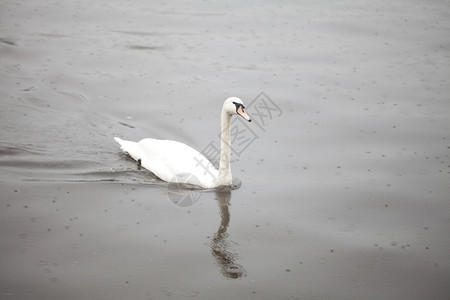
(220, 244)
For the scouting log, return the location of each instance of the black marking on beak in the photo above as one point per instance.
(238, 105)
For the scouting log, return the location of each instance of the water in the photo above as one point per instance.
(343, 185)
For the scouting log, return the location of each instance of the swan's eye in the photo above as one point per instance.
(238, 105)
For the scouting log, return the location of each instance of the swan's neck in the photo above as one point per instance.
(224, 165)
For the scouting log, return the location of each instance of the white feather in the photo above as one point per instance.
(173, 161)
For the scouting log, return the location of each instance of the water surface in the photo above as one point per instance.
(344, 175)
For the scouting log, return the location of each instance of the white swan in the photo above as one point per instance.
(173, 161)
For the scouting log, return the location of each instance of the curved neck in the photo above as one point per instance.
(224, 165)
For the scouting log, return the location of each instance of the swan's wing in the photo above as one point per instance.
(171, 160)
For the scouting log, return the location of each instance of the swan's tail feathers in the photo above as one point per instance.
(122, 143)
(132, 148)
(119, 140)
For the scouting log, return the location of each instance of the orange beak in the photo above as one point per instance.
(243, 114)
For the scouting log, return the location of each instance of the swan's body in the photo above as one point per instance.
(173, 161)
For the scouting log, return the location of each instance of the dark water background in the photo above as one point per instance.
(345, 187)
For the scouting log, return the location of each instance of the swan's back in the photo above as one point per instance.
(171, 160)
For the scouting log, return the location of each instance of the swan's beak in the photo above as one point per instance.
(242, 113)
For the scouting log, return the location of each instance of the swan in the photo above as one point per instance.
(172, 161)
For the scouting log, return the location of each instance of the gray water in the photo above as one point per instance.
(344, 174)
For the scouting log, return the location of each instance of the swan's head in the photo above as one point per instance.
(235, 106)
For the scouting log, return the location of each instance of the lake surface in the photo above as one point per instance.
(344, 172)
